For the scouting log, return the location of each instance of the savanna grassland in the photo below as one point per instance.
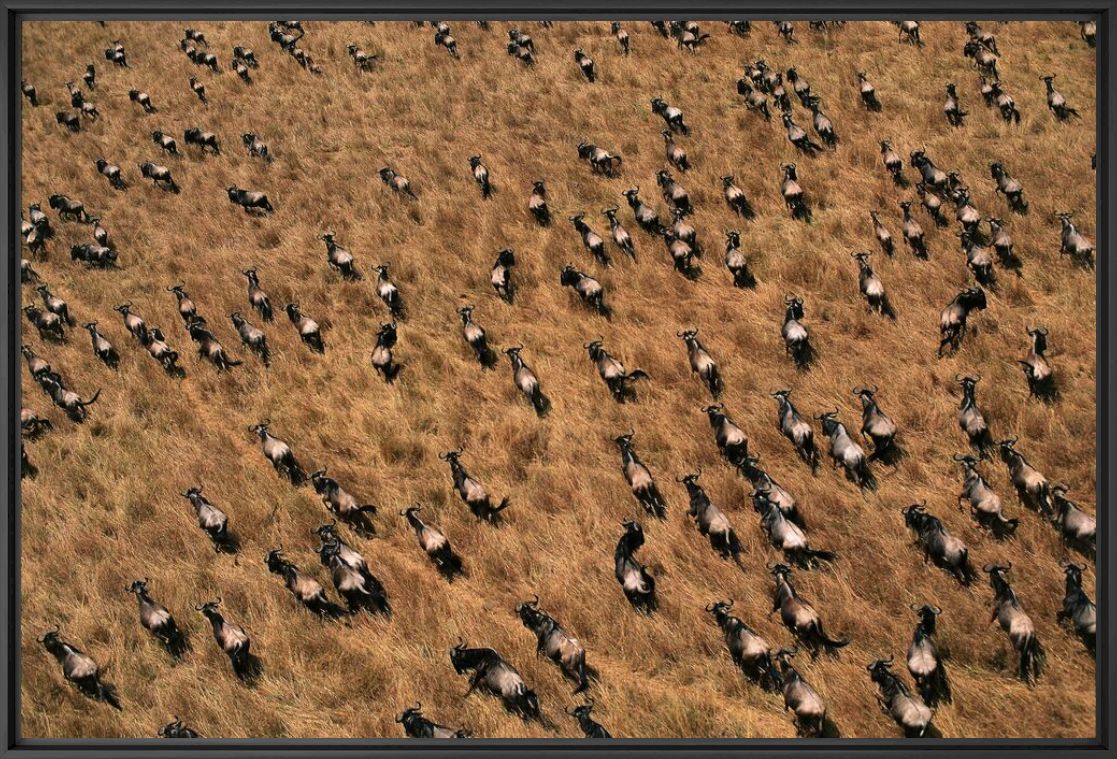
(106, 508)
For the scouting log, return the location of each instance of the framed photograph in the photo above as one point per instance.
(664, 379)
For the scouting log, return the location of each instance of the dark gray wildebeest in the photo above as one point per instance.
(309, 330)
(796, 429)
(537, 204)
(492, 673)
(845, 451)
(731, 439)
(925, 662)
(1055, 100)
(256, 147)
(1074, 244)
(872, 287)
(800, 617)
(1077, 528)
(639, 478)
(800, 698)
(397, 183)
(481, 176)
(159, 175)
(913, 232)
(1016, 623)
(983, 502)
(526, 381)
(158, 621)
(601, 161)
(589, 290)
(350, 574)
(736, 199)
(209, 347)
(249, 200)
(204, 140)
(232, 639)
(155, 342)
(952, 108)
(176, 729)
(674, 152)
(674, 194)
(1041, 377)
(612, 372)
(931, 203)
(737, 262)
(646, 216)
(952, 322)
(1009, 187)
(339, 259)
(278, 453)
(701, 363)
(73, 210)
(592, 241)
(472, 492)
(638, 585)
(31, 425)
(822, 123)
(343, 504)
(620, 235)
(67, 400)
(896, 700)
(884, 237)
(382, 360)
(434, 544)
(49, 325)
(253, 337)
(257, 298)
(591, 728)
(979, 259)
(671, 115)
(749, 650)
(143, 100)
(1078, 609)
(972, 421)
(475, 338)
(1002, 244)
(501, 274)
(212, 520)
(711, 521)
(938, 545)
(555, 643)
(793, 196)
(785, 535)
(1031, 486)
(934, 178)
(868, 92)
(415, 725)
(306, 590)
(388, 292)
(878, 427)
(79, 669)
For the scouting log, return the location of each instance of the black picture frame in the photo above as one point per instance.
(12, 746)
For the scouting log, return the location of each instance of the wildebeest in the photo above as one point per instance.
(952, 322)
(796, 429)
(434, 544)
(784, 534)
(233, 641)
(897, 701)
(984, 504)
(249, 199)
(415, 725)
(711, 521)
(1077, 528)
(1016, 624)
(1078, 609)
(157, 620)
(494, 674)
(1041, 377)
(800, 617)
(925, 662)
(749, 650)
(937, 544)
(279, 453)
(472, 492)
(636, 582)
(845, 451)
(159, 175)
(306, 590)
(80, 669)
(555, 643)
(1031, 486)
(800, 698)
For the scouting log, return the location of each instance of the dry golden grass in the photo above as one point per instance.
(105, 507)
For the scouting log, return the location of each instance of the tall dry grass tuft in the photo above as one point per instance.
(105, 508)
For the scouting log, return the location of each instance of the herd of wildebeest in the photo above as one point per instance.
(985, 242)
